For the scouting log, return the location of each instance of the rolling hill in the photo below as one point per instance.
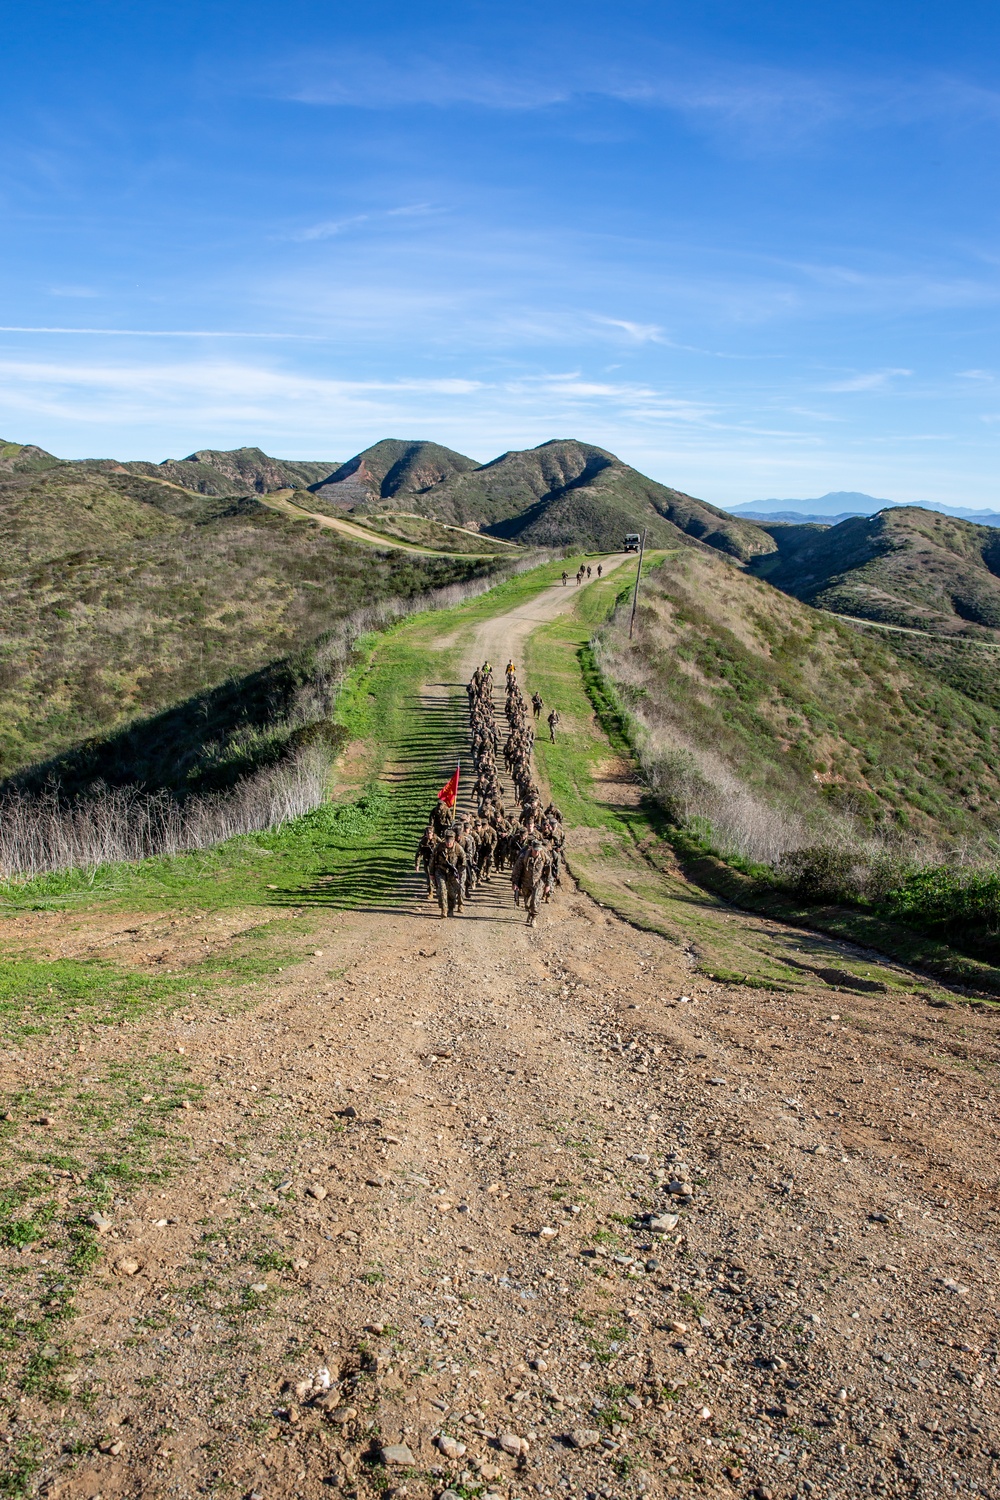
(123, 595)
(781, 727)
(214, 472)
(904, 566)
(562, 493)
(389, 470)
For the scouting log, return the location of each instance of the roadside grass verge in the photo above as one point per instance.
(625, 854)
(342, 853)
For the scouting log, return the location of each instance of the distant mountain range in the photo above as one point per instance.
(840, 505)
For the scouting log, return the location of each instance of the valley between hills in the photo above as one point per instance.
(690, 1189)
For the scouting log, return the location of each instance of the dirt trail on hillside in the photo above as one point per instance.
(280, 502)
(552, 1217)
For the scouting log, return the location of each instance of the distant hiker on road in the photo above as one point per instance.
(565, 578)
(600, 570)
(553, 726)
(536, 704)
(588, 570)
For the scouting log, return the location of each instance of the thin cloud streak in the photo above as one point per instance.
(165, 333)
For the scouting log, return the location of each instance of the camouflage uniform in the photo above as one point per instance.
(470, 845)
(425, 850)
(487, 846)
(530, 877)
(447, 870)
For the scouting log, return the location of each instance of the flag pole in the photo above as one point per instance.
(638, 575)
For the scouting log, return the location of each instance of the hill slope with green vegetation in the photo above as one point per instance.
(122, 596)
(393, 468)
(562, 493)
(905, 566)
(211, 471)
(780, 726)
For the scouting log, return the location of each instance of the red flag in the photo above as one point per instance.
(449, 791)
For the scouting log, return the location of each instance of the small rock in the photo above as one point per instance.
(538, 1364)
(718, 1082)
(705, 1414)
(99, 1222)
(449, 1446)
(317, 953)
(259, 1287)
(584, 1437)
(316, 1191)
(663, 1223)
(950, 1285)
(341, 1415)
(182, 1051)
(879, 1218)
(449, 1495)
(398, 1454)
(350, 1113)
(127, 1266)
(640, 1158)
(512, 1444)
(45, 1120)
(547, 1232)
(676, 1326)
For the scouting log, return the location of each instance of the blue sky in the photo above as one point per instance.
(751, 249)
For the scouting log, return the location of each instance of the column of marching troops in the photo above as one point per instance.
(460, 854)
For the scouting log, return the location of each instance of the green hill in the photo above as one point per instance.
(904, 566)
(211, 471)
(562, 493)
(122, 595)
(24, 458)
(389, 470)
(780, 726)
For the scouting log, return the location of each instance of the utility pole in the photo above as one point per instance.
(638, 575)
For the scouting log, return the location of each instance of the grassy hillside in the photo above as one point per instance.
(24, 458)
(905, 566)
(567, 492)
(236, 471)
(122, 596)
(427, 533)
(780, 725)
(391, 468)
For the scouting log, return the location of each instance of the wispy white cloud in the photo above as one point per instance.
(73, 291)
(160, 333)
(873, 380)
(639, 333)
(328, 229)
(758, 105)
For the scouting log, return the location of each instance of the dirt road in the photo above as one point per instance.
(282, 502)
(465, 1207)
